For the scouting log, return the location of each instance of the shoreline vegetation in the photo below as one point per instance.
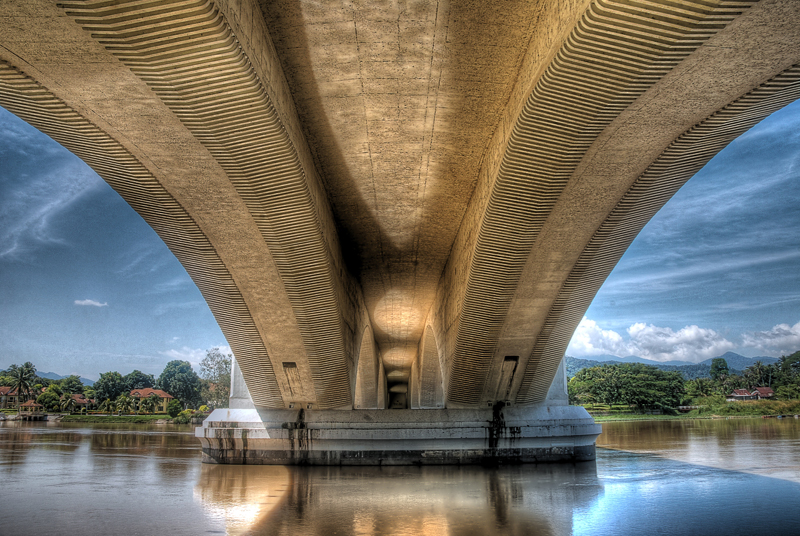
(713, 407)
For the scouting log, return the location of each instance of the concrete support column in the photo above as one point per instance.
(547, 432)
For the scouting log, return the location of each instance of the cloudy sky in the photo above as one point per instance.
(88, 287)
(716, 269)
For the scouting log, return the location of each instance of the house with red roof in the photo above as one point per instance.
(163, 398)
(764, 393)
(81, 403)
(8, 397)
(740, 394)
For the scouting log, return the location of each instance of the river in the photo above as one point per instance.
(657, 477)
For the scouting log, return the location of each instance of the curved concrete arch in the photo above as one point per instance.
(33, 103)
(368, 374)
(428, 390)
(200, 115)
(662, 179)
(520, 257)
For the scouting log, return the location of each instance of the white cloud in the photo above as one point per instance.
(91, 302)
(29, 207)
(781, 339)
(691, 343)
(193, 355)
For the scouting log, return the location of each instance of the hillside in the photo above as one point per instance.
(689, 371)
(53, 376)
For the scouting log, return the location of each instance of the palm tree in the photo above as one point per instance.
(68, 404)
(22, 381)
(124, 403)
(148, 405)
(108, 406)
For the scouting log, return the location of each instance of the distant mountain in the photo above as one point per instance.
(634, 359)
(690, 371)
(736, 361)
(53, 376)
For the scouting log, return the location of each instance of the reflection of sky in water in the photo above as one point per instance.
(647, 494)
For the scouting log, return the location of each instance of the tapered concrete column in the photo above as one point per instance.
(549, 432)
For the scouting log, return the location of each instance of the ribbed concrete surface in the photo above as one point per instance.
(453, 180)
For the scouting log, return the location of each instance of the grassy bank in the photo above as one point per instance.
(113, 418)
(710, 408)
(639, 417)
(713, 406)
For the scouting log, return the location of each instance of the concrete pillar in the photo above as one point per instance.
(548, 432)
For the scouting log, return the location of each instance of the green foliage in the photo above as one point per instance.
(215, 370)
(50, 400)
(701, 387)
(108, 405)
(788, 392)
(174, 408)
(184, 417)
(627, 383)
(718, 406)
(22, 379)
(124, 403)
(109, 386)
(138, 380)
(204, 408)
(71, 385)
(55, 388)
(179, 380)
(719, 367)
(149, 404)
(112, 418)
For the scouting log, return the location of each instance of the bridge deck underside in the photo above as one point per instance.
(453, 180)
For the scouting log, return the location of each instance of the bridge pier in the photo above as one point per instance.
(552, 431)
(497, 435)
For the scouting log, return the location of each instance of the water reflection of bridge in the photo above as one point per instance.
(395, 205)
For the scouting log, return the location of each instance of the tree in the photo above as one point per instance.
(68, 404)
(149, 404)
(699, 388)
(719, 368)
(628, 383)
(108, 405)
(22, 379)
(138, 380)
(50, 400)
(179, 380)
(124, 403)
(174, 408)
(72, 385)
(215, 369)
(109, 386)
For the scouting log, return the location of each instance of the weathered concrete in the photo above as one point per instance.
(399, 437)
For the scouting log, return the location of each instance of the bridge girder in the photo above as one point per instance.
(421, 192)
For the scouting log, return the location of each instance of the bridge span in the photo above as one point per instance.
(398, 210)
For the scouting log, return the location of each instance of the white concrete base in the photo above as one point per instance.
(399, 437)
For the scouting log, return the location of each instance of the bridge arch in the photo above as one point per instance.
(426, 387)
(369, 375)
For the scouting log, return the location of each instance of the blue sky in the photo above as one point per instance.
(88, 287)
(716, 269)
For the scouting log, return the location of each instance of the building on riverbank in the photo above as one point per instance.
(163, 398)
(8, 397)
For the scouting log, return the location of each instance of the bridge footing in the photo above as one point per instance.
(499, 435)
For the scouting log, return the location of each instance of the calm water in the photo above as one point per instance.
(669, 477)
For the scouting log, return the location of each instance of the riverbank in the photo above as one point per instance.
(132, 419)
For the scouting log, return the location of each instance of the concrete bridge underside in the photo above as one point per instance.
(397, 203)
